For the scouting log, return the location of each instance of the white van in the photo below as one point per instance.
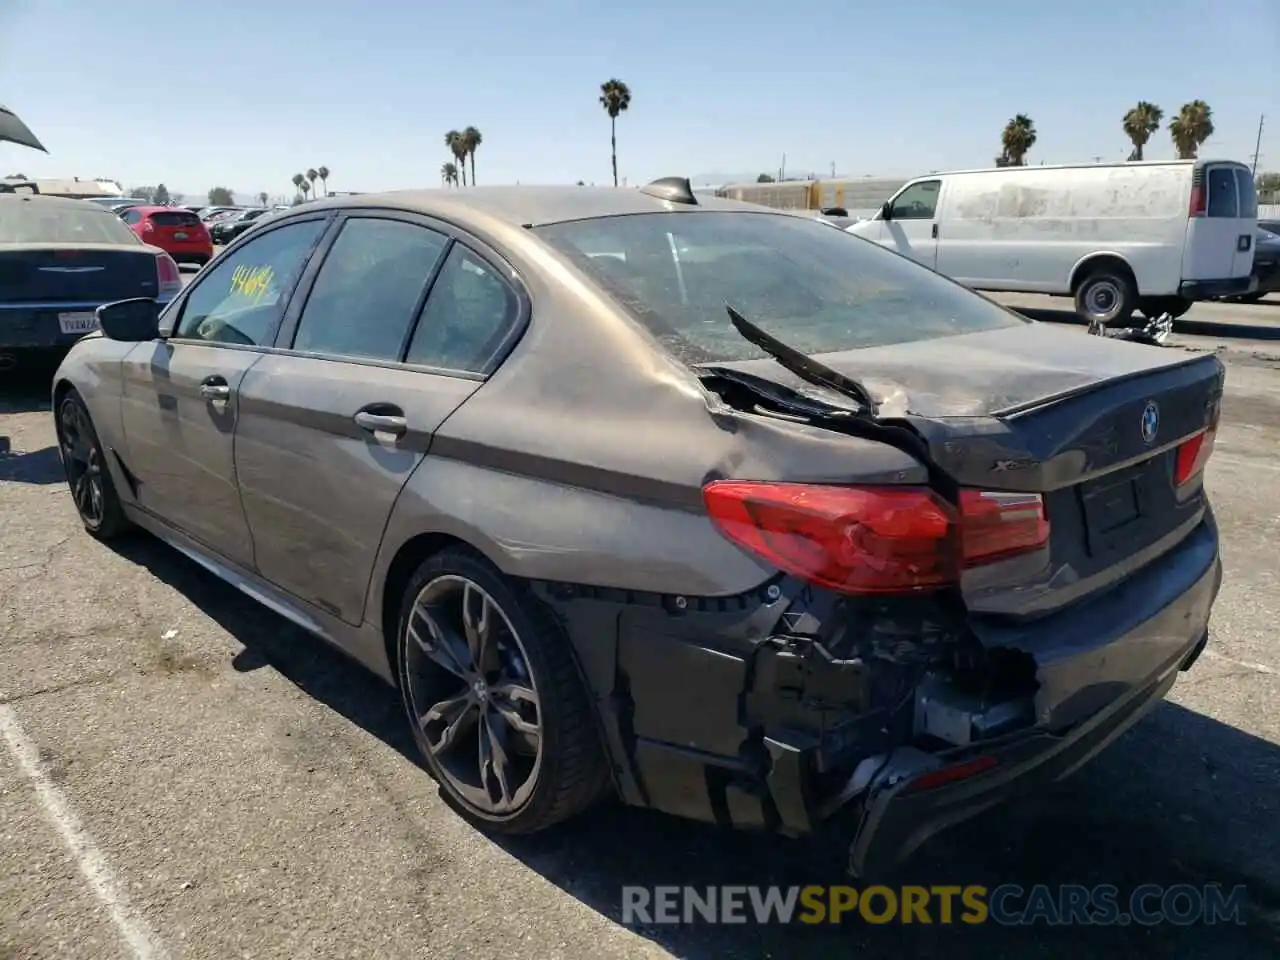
(1154, 236)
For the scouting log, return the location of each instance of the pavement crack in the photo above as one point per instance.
(58, 688)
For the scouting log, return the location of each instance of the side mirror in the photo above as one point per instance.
(130, 321)
(886, 211)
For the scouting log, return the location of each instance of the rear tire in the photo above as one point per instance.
(522, 695)
(1153, 307)
(88, 476)
(1107, 295)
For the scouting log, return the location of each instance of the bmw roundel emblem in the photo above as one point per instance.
(1150, 422)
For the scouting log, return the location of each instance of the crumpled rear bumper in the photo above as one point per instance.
(898, 816)
(722, 711)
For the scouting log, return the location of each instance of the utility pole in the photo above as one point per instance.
(782, 170)
(833, 169)
(1257, 146)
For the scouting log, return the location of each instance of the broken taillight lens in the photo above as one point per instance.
(874, 540)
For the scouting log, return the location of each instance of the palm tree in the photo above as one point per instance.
(312, 176)
(1139, 124)
(454, 141)
(323, 172)
(472, 138)
(615, 97)
(449, 174)
(306, 189)
(263, 198)
(298, 181)
(1190, 128)
(1018, 137)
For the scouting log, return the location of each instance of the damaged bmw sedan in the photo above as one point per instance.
(718, 509)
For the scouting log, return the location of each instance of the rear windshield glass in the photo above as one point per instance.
(34, 221)
(175, 218)
(816, 288)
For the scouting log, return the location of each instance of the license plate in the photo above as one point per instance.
(179, 236)
(80, 322)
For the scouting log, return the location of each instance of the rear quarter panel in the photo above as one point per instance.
(581, 460)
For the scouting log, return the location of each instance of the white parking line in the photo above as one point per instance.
(1247, 664)
(92, 864)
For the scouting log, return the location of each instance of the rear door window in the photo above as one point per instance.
(368, 289)
(1224, 201)
(467, 319)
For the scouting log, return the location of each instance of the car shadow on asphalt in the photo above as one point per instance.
(1180, 799)
(39, 467)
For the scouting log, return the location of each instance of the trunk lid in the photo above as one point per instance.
(80, 274)
(1052, 411)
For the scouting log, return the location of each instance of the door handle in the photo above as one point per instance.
(935, 231)
(381, 423)
(215, 388)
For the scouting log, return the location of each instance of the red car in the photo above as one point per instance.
(176, 231)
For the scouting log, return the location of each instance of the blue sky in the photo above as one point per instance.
(245, 94)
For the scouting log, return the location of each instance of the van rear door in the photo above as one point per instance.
(1221, 222)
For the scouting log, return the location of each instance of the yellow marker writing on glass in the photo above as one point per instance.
(252, 283)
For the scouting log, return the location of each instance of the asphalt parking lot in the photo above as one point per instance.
(184, 774)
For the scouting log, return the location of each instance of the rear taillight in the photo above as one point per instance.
(874, 540)
(168, 277)
(998, 525)
(1199, 205)
(1193, 454)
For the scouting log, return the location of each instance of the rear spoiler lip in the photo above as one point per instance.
(1039, 403)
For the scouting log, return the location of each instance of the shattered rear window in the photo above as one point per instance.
(817, 289)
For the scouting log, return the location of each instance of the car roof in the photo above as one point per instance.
(529, 206)
(69, 203)
(154, 208)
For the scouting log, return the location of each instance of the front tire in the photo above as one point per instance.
(494, 699)
(88, 477)
(1106, 296)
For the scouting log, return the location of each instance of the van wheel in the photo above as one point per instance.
(1106, 296)
(1153, 307)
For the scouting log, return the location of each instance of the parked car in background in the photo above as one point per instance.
(865, 546)
(1153, 236)
(62, 259)
(177, 231)
(1266, 265)
(118, 203)
(227, 229)
(110, 202)
(217, 215)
